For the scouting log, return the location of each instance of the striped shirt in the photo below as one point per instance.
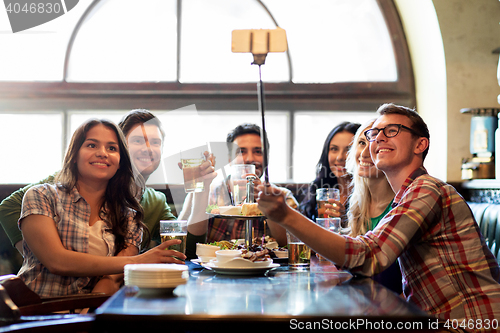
(71, 215)
(447, 268)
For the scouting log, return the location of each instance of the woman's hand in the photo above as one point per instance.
(160, 254)
(334, 208)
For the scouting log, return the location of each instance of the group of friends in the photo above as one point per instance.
(414, 233)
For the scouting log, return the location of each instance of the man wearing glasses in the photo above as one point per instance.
(447, 268)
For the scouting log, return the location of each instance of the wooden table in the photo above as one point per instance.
(281, 300)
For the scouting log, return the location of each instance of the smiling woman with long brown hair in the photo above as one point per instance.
(89, 223)
(330, 170)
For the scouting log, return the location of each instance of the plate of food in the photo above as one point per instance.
(245, 211)
(237, 260)
(206, 252)
(241, 262)
(212, 265)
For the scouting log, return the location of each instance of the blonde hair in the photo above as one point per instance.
(359, 219)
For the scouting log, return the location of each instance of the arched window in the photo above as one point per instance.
(104, 58)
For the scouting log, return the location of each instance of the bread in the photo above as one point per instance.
(250, 209)
(230, 210)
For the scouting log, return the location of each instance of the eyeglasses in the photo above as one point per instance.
(390, 131)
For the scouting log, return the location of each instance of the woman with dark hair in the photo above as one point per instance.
(330, 170)
(89, 223)
(145, 139)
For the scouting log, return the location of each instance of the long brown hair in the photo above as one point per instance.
(123, 188)
(325, 178)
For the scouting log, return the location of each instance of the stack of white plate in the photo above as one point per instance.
(156, 276)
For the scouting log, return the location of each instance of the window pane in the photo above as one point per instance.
(336, 40)
(31, 147)
(311, 130)
(37, 54)
(186, 129)
(206, 43)
(76, 118)
(127, 41)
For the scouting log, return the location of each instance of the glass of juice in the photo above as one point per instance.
(322, 196)
(174, 229)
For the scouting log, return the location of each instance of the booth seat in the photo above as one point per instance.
(487, 216)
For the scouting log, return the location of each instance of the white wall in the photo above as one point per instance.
(428, 61)
(469, 32)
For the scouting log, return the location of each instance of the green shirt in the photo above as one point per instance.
(10, 210)
(376, 220)
(155, 206)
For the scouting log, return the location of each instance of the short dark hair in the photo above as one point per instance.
(139, 116)
(243, 129)
(418, 125)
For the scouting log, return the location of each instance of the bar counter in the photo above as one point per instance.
(281, 299)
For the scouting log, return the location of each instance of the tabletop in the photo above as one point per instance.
(280, 299)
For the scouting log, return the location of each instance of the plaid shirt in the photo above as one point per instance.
(227, 229)
(71, 214)
(447, 268)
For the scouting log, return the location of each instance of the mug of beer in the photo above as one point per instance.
(174, 229)
(299, 254)
(193, 181)
(322, 196)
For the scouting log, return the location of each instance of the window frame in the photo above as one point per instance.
(285, 96)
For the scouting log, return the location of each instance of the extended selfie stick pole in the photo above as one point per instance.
(260, 87)
(259, 43)
(259, 59)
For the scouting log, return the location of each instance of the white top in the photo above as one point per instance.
(97, 245)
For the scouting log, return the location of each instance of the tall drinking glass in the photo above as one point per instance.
(331, 224)
(322, 196)
(239, 182)
(174, 229)
(299, 254)
(193, 181)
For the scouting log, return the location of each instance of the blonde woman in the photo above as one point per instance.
(370, 200)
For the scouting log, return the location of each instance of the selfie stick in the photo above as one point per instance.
(260, 42)
(259, 59)
(260, 87)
